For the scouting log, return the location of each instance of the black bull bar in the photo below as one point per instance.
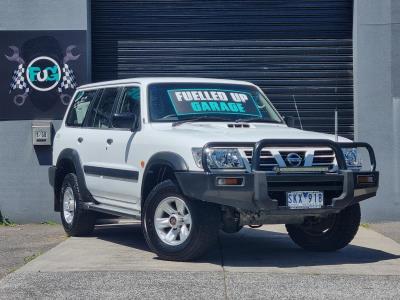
(257, 147)
(266, 191)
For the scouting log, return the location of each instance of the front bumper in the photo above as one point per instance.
(266, 191)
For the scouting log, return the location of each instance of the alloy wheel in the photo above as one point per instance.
(173, 221)
(69, 205)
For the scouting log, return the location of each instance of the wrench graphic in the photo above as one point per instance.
(15, 57)
(20, 98)
(68, 54)
(65, 99)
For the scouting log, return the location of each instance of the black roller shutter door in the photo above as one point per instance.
(294, 49)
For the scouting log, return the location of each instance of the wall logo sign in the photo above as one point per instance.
(43, 74)
(40, 71)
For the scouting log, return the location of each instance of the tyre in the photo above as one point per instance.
(177, 228)
(230, 230)
(76, 220)
(327, 234)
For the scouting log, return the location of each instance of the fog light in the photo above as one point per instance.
(365, 179)
(223, 181)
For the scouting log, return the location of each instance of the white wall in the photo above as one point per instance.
(376, 85)
(43, 15)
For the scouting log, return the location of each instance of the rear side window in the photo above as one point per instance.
(100, 116)
(79, 108)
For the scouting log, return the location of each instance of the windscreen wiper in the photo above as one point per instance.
(199, 119)
(259, 120)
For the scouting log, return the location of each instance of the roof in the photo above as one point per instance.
(148, 80)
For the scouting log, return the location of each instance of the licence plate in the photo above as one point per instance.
(305, 199)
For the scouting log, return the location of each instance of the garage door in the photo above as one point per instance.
(298, 51)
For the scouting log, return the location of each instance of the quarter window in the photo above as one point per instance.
(79, 108)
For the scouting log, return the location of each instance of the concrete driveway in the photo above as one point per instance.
(254, 263)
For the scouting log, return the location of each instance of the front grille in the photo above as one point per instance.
(267, 160)
(324, 158)
(321, 158)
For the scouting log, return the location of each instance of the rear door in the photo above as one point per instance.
(94, 144)
(78, 136)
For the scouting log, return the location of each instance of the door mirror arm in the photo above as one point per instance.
(289, 120)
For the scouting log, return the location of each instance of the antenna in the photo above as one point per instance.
(336, 125)
(297, 110)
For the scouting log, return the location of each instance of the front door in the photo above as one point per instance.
(121, 152)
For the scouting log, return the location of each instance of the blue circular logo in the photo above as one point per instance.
(43, 73)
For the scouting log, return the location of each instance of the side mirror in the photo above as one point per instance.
(290, 121)
(124, 120)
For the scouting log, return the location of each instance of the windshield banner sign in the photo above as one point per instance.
(213, 101)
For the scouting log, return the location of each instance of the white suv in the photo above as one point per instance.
(191, 156)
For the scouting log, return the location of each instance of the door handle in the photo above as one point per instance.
(110, 141)
(80, 139)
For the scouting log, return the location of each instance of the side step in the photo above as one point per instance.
(112, 210)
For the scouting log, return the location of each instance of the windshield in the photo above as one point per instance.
(172, 102)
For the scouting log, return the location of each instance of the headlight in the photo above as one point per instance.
(351, 157)
(219, 158)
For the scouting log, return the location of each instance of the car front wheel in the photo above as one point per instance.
(177, 228)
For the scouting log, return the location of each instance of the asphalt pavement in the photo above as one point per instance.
(254, 263)
(21, 243)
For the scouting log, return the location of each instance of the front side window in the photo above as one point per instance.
(100, 116)
(130, 101)
(79, 108)
(128, 110)
(170, 102)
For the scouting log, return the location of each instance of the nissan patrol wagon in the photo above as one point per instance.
(192, 156)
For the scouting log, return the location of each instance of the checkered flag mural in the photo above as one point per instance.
(68, 79)
(18, 80)
(21, 85)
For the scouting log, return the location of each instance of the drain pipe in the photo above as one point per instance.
(336, 125)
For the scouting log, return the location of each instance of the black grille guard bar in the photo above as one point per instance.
(367, 146)
(258, 146)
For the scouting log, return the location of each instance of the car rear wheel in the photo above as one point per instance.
(76, 220)
(330, 233)
(177, 228)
